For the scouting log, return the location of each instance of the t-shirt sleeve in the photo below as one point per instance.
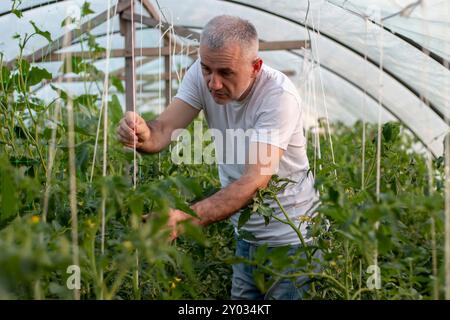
(277, 119)
(190, 87)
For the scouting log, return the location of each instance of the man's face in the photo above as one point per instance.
(227, 73)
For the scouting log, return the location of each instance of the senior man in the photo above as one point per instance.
(236, 91)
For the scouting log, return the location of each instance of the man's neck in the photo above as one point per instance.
(248, 90)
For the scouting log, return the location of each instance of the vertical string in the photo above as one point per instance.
(447, 213)
(363, 151)
(324, 101)
(105, 85)
(133, 67)
(380, 91)
(105, 118)
(160, 81)
(135, 164)
(447, 185)
(104, 107)
(306, 102)
(429, 161)
(317, 150)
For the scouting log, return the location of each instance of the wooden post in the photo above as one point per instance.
(167, 70)
(127, 29)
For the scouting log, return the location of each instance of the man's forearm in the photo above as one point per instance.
(227, 201)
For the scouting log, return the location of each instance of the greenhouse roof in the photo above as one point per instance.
(362, 55)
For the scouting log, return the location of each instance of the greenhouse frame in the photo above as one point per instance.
(374, 81)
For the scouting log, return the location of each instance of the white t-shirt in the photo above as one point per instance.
(271, 113)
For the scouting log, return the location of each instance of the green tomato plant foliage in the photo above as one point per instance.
(401, 229)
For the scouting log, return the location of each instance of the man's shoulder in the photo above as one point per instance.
(276, 83)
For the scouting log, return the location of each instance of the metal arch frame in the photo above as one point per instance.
(424, 100)
(407, 40)
(364, 92)
(433, 55)
(358, 87)
(353, 84)
(32, 7)
(370, 60)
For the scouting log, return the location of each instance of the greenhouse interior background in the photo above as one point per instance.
(374, 79)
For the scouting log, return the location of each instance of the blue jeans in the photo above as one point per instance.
(243, 284)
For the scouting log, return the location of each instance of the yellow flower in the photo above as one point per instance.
(35, 219)
(173, 284)
(90, 224)
(304, 219)
(128, 245)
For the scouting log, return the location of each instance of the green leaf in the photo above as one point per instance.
(246, 235)
(45, 34)
(37, 74)
(86, 9)
(9, 197)
(29, 104)
(74, 65)
(18, 13)
(68, 21)
(115, 110)
(181, 205)
(87, 100)
(244, 217)
(266, 212)
(85, 131)
(279, 257)
(15, 5)
(116, 82)
(82, 157)
(333, 194)
(90, 69)
(6, 77)
(62, 94)
(260, 280)
(261, 254)
(93, 45)
(20, 133)
(391, 131)
(136, 203)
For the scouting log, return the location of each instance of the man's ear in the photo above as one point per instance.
(257, 64)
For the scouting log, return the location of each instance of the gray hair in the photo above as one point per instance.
(222, 29)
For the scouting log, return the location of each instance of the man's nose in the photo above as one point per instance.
(215, 82)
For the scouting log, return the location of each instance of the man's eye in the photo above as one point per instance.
(205, 70)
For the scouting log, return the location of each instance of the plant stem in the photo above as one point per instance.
(305, 274)
(293, 226)
(41, 157)
(434, 259)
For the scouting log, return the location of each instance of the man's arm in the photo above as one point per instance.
(153, 136)
(238, 194)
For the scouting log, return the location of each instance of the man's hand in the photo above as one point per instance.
(175, 217)
(133, 131)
